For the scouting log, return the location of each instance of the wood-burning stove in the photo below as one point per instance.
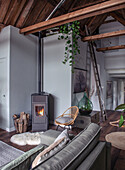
(39, 104)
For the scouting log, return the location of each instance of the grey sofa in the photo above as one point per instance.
(83, 152)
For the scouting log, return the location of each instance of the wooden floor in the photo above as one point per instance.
(117, 156)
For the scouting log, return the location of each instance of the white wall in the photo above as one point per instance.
(23, 71)
(120, 92)
(115, 88)
(110, 63)
(114, 62)
(19, 54)
(80, 59)
(115, 59)
(80, 62)
(57, 76)
(103, 78)
(4, 77)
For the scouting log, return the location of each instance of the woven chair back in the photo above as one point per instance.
(72, 112)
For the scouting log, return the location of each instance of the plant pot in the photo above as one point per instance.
(85, 112)
(85, 105)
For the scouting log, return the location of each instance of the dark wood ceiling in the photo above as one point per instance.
(23, 13)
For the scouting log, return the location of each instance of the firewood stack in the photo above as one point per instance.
(21, 122)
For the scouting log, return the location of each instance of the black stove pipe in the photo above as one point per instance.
(42, 59)
(39, 64)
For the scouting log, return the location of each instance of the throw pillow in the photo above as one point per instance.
(49, 151)
(63, 134)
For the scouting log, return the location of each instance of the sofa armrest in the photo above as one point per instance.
(25, 160)
(108, 155)
(99, 157)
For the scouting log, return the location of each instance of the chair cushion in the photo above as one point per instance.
(64, 119)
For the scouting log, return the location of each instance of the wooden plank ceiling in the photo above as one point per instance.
(23, 13)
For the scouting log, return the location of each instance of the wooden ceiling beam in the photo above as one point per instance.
(72, 5)
(88, 23)
(94, 23)
(35, 13)
(54, 3)
(25, 13)
(109, 21)
(91, 11)
(2, 26)
(105, 35)
(9, 11)
(123, 13)
(4, 5)
(46, 10)
(110, 48)
(94, 27)
(118, 17)
(87, 5)
(16, 14)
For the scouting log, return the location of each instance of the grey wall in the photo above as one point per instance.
(115, 88)
(83, 61)
(80, 59)
(80, 62)
(57, 76)
(23, 71)
(120, 92)
(4, 77)
(114, 62)
(103, 78)
(20, 74)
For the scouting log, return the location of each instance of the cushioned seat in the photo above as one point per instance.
(84, 151)
(74, 152)
(64, 119)
(68, 117)
(49, 136)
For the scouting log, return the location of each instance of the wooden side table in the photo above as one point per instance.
(82, 121)
(117, 139)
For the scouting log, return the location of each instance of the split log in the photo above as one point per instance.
(22, 114)
(24, 122)
(21, 123)
(14, 116)
(28, 117)
(15, 122)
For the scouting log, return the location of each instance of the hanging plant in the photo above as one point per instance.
(71, 46)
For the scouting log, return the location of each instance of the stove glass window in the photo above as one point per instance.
(39, 110)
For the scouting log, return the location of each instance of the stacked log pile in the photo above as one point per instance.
(21, 122)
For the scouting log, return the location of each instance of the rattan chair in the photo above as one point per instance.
(68, 117)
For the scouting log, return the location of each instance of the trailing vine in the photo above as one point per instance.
(71, 47)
